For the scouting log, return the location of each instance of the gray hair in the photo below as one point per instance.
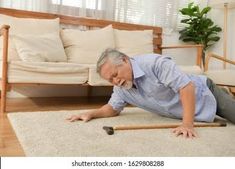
(115, 56)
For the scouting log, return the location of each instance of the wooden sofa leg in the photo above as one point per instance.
(3, 99)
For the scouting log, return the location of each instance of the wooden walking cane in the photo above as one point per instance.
(110, 130)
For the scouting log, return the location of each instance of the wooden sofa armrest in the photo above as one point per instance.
(199, 51)
(209, 55)
(181, 46)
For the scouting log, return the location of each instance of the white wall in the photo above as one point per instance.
(217, 16)
(181, 56)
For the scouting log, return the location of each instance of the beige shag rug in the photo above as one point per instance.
(49, 134)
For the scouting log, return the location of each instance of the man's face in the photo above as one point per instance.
(118, 75)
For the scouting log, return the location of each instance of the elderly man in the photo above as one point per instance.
(154, 83)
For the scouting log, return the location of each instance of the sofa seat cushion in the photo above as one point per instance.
(222, 77)
(47, 72)
(196, 70)
(94, 78)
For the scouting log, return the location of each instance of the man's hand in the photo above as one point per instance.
(84, 117)
(104, 111)
(186, 130)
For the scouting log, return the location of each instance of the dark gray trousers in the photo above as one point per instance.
(225, 102)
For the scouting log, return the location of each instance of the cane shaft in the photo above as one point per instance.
(165, 126)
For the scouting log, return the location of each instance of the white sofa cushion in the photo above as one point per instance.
(47, 72)
(40, 48)
(134, 42)
(26, 26)
(94, 78)
(222, 77)
(193, 69)
(85, 47)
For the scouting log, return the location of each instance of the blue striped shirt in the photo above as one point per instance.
(158, 81)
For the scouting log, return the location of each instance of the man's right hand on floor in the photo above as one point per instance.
(84, 117)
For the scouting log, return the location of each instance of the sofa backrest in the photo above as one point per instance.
(88, 23)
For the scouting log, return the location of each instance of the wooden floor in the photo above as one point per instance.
(9, 145)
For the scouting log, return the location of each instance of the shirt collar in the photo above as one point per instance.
(137, 71)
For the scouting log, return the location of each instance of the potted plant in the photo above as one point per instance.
(199, 29)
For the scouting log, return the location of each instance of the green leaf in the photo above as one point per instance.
(187, 11)
(190, 5)
(216, 29)
(208, 22)
(205, 10)
(185, 20)
(216, 38)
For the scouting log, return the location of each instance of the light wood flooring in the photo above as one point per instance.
(9, 144)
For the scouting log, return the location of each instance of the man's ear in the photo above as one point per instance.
(125, 59)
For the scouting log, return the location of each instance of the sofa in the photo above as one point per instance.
(224, 76)
(43, 48)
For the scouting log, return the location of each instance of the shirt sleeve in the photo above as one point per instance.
(169, 74)
(116, 100)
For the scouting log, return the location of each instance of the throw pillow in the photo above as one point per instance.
(85, 47)
(44, 48)
(26, 26)
(134, 42)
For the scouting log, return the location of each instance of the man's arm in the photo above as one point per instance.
(105, 111)
(187, 97)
